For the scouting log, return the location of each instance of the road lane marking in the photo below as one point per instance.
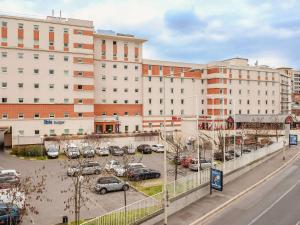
(217, 210)
(273, 204)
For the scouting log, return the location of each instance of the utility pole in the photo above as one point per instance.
(165, 160)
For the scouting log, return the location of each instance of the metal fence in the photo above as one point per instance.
(130, 213)
(141, 209)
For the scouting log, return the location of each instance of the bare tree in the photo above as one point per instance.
(22, 194)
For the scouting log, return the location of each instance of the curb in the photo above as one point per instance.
(225, 204)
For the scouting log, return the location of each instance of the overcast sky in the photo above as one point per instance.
(196, 31)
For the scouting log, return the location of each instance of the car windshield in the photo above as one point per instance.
(52, 149)
(73, 149)
(87, 148)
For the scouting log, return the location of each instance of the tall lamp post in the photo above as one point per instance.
(165, 190)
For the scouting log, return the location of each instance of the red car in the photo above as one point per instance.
(185, 162)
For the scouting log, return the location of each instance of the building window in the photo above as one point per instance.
(66, 58)
(80, 114)
(161, 112)
(80, 87)
(4, 100)
(4, 69)
(103, 65)
(172, 90)
(136, 67)
(126, 114)
(181, 90)
(115, 101)
(4, 54)
(36, 100)
(149, 78)
(80, 101)
(4, 116)
(36, 71)
(36, 115)
(20, 85)
(160, 90)
(66, 86)
(51, 100)
(4, 24)
(115, 90)
(66, 72)
(20, 70)
(125, 78)
(172, 101)
(66, 115)
(126, 90)
(20, 132)
(126, 101)
(21, 116)
(51, 115)
(136, 79)
(36, 85)
(149, 90)
(21, 100)
(66, 100)
(51, 86)
(125, 67)
(114, 66)
(51, 57)
(182, 101)
(36, 56)
(149, 112)
(160, 101)
(51, 72)
(20, 55)
(4, 85)
(115, 77)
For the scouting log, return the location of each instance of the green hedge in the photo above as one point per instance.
(28, 151)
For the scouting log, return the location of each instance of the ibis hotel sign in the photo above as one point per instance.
(54, 122)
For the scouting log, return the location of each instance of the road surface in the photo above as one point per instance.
(275, 202)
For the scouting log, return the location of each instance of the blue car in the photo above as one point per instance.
(5, 218)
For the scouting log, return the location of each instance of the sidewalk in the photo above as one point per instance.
(201, 207)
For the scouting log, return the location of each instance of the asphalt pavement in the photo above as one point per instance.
(276, 202)
(208, 203)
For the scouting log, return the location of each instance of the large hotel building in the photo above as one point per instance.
(59, 76)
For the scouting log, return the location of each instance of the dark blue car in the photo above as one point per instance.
(6, 217)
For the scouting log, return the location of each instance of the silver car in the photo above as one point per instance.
(52, 151)
(107, 184)
(102, 151)
(86, 168)
(87, 151)
(72, 151)
(204, 164)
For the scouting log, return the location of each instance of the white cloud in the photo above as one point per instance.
(269, 58)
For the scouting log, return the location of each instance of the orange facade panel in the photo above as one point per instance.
(166, 70)
(51, 36)
(85, 101)
(29, 110)
(66, 38)
(216, 112)
(20, 45)
(79, 87)
(115, 49)
(83, 46)
(216, 91)
(215, 101)
(83, 60)
(4, 44)
(20, 34)
(119, 109)
(177, 71)
(136, 52)
(145, 69)
(103, 48)
(4, 32)
(83, 32)
(213, 70)
(155, 70)
(36, 35)
(194, 74)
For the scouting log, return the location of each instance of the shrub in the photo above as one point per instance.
(28, 151)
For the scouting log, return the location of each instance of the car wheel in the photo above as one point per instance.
(157, 175)
(97, 172)
(125, 187)
(103, 191)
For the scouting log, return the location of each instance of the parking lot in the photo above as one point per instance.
(51, 212)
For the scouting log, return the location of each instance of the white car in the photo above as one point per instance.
(52, 151)
(157, 148)
(120, 171)
(8, 196)
(112, 165)
(10, 172)
(72, 151)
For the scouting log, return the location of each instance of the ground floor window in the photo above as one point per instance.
(36, 132)
(126, 128)
(136, 127)
(80, 131)
(66, 131)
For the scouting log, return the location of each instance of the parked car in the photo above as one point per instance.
(219, 156)
(107, 184)
(17, 197)
(102, 151)
(10, 172)
(177, 160)
(128, 149)
(9, 215)
(157, 148)
(7, 181)
(231, 152)
(204, 164)
(185, 162)
(87, 151)
(52, 151)
(116, 150)
(143, 174)
(72, 151)
(112, 165)
(145, 149)
(246, 151)
(87, 168)
(123, 171)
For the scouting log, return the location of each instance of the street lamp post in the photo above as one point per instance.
(165, 190)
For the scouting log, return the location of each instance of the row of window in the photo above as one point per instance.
(37, 71)
(51, 132)
(35, 85)
(115, 66)
(116, 78)
(20, 55)
(37, 100)
(37, 115)
(116, 101)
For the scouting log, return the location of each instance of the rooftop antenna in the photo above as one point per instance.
(59, 14)
(256, 63)
(52, 12)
